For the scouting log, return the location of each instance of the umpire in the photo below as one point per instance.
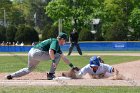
(74, 42)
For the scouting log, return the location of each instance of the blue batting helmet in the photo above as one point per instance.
(94, 61)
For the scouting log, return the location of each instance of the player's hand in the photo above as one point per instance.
(101, 75)
(76, 69)
(54, 65)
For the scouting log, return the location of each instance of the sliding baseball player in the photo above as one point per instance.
(96, 69)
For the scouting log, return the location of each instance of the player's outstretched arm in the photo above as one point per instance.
(66, 61)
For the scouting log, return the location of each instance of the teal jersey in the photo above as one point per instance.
(49, 44)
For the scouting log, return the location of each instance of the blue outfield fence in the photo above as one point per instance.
(85, 46)
(106, 46)
(15, 48)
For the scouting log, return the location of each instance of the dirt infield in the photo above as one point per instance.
(130, 71)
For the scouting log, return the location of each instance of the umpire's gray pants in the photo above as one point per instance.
(34, 57)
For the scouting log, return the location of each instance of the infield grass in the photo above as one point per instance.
(69, 89)
(14, 63)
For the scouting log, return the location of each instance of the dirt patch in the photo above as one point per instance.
(129, 70)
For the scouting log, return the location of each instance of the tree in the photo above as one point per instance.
(116, 12)
(116, 32)
(118, 9)
(134, 21)
(85, 35)
(5, 4)
(2, 33)
(26, 34)
(16, 17)
(78, 11)
(49, 32)
(10, 33)
(34, 12)
(5, 8)
(13, 13)
(24, 7)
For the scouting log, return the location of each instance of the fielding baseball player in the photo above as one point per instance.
(96, 68)
(46, 50)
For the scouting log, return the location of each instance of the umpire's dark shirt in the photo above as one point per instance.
(74, 37)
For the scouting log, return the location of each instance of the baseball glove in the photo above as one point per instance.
(71, 73)
(75, 69)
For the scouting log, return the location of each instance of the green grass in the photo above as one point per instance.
(14, 63)
(69, 89)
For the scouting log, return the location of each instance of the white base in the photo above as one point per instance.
(62, 78)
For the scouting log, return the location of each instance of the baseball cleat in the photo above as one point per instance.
(50, 76)
(100, 59)
(9, 77)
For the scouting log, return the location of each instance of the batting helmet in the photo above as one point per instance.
(94, 61)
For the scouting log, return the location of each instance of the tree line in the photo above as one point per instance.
(119, 19)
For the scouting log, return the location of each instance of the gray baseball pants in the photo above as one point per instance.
(34, 57)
